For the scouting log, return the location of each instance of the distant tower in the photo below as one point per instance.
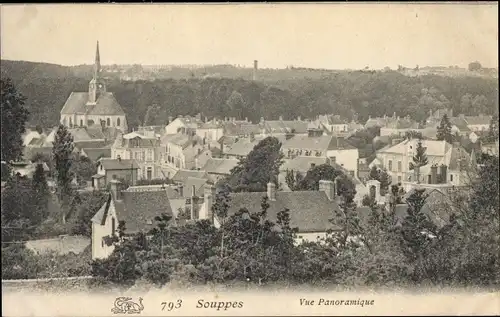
(97, 84)
(255, 68)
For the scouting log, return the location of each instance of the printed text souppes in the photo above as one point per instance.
(219, 305)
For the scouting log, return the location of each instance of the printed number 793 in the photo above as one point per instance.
(171, 305)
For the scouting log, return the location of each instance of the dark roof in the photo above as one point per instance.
(95, 154)
(91, 144)
(220, 165)
(310, 211)
(116, 164)
(324, 142)
(182, 175)
(182, 140)
(137, 208)
(302, 163)
(106, 104)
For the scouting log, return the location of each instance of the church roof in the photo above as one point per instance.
(106, 104)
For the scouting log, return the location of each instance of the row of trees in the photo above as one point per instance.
(348, 94)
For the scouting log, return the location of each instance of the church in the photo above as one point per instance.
(95, 107)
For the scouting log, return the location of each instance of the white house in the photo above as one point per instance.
(136, 208)
(180, 151)
(182, 124)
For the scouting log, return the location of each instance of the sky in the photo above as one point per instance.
(333, 36)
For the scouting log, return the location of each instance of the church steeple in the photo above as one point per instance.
(97, 62)
(97, 84)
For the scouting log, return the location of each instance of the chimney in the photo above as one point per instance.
(208, 198)
(115, 187)
(299, 118)
(444, 174)
(193, 195)
(255, 68)
(261, 120)
(281, 118)
(434, 174)
(271, 191)
(246, 119)
(328, 187)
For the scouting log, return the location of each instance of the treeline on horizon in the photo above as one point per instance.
(354, 94)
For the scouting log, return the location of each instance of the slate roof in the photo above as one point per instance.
(92, 144)
(434, 147)
(324, 143)
(182, 140)
(460, 123)
(302, 163)
(242, 147)
(182, 175)
(476, 120)
(240, 128)
(95, 154)
(115, 164)
(286, 126)
(198, 183)
(310, 211)
(106, 104)
(220, 166)
(137, 209)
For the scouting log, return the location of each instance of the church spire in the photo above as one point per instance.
(97, 63)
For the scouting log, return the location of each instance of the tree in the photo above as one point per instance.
(14, 117)
(88, 207)
(292, 179)
(493, 129)
(236, 103)
(82, 168)
(413, 135)
(41, 193)
(62, 152)
(419, 159)
(444, 130)
(310, 181)
(417, 229)
(474, 66)
(382, 176)
(260, 167)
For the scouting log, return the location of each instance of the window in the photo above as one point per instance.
(113, 226)
(400, 166)
(108, 123)
(399, 179)
(149, 155)
(81, 122)
(118, 122)
(70, 122)
(149, 173)
(390, 165)
(451, 177)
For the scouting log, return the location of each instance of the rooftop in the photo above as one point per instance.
(118, 164)
(106, 104)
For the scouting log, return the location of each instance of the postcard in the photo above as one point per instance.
(238, 159)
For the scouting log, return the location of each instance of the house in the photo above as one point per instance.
(436, 116)
(218, 168)
(316, 144)
(94, 107)
(180, 151)
(282, 127)
(181, 124)
(94, 154)
(109, 169)
(210, 131)
(27, 168)
(398, 157)
(137, 209)
(310, 211)
(399, 127)
(334, 124)
(490, 148)
(478, 123)
(142, 147)
(242, 129)
(377, 122)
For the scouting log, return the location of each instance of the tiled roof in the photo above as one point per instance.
(476, 120)
(302, 163)
(324, 143)
(182, 175)
(182, 140)
(242, 147)
(137, 208)
(310, 211)
(95, 154)
(116, 164)
(106, 104)
(220, 165)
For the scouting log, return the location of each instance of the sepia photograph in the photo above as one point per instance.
(250, 159)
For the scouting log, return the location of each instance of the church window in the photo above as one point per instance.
(108, 122)
(118, 122)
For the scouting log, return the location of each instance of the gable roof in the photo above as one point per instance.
(310, 211)
(96, 153)
(182, 175)
(137, 208)
(220, 165)
(118, 164)
(106, 104)
(434, 147)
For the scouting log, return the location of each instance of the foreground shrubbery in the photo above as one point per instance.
(250, 248)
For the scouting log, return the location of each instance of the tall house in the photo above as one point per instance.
(95, 107)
